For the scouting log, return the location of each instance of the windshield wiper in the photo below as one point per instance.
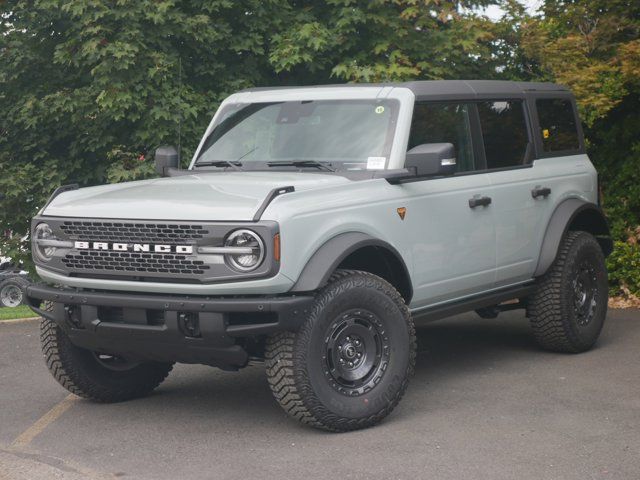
(220, 163)
(302, 164)
(236, 164)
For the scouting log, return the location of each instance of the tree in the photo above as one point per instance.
(385, 40)
(593, 46)
(88, 88)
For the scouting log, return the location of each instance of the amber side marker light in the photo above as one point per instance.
(402, 211)
(276, 247)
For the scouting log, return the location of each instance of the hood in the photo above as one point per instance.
(214, 196)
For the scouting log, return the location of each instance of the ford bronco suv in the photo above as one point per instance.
(312, 228)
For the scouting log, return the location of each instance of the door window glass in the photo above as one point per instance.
(558, 125)
(504, 131)
(444, 123)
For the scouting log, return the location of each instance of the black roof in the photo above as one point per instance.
(459, 89)
(479, 88)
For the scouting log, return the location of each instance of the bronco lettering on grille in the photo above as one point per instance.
(134, 247)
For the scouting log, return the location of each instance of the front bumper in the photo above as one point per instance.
(259, 286)
(169, 328)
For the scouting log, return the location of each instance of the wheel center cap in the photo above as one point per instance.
(349, 351)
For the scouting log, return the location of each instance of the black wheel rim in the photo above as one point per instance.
(356, 352)
(114, 362)
(585, 293)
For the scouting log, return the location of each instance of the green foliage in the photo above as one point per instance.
(624, 268)
(593, 46)
(386, 40)
(89, 88)
(616, 151)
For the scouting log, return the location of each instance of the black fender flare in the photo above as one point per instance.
(563, 217)
(326, 259)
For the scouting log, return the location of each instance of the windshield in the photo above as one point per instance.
(340, 134)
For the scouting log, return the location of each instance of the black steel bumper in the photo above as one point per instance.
(205, 330)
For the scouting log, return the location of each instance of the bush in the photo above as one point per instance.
(624, 268)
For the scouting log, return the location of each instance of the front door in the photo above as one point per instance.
(453, 239)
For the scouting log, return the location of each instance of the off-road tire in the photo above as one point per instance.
(13, 281)
(78, 370)
(297, 371)
(553, 308)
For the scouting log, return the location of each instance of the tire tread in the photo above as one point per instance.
(58, 352)
(545, 310)
(293, 391)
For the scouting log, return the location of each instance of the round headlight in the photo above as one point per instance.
(43, 232)
(250, 250)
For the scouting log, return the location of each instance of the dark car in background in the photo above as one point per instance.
(12, 284)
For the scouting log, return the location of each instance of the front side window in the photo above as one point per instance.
(345, 134)
(558, 125)
(504, 131)
(444, 123)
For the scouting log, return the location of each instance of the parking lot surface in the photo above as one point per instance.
(485, 403)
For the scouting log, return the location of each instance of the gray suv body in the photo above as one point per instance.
(313, 227)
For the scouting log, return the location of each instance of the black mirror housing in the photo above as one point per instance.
(166, 158)
(432, 159)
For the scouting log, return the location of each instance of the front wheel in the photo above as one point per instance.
(350, 363)
(97, 376)
(568, 309)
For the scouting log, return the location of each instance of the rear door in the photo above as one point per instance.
(518, 189)
(561, 149)
(453, 243)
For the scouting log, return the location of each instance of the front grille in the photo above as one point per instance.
(151, 253)
(134, 262)
(132, 232)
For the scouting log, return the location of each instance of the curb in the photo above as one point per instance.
(18, 320)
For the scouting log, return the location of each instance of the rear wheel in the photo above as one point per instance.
(350, 363)
(97, 376)
(568, 309)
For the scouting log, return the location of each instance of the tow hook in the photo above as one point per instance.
(189, 324)
(72, 318)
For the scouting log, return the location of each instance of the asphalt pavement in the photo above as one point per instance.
(485, 403)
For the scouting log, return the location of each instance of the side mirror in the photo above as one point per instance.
(166, 158)
(432, 159)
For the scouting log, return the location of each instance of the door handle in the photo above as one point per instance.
(479, 201)
(539, 191)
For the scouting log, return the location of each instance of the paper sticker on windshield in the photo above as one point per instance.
(379, 109)
(376, 163)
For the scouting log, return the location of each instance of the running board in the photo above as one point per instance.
(430, 314)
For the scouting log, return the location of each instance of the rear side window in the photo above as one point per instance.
(504, 131)
(558, 125)
(444, 123)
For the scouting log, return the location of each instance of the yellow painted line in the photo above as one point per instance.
(43, 422)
